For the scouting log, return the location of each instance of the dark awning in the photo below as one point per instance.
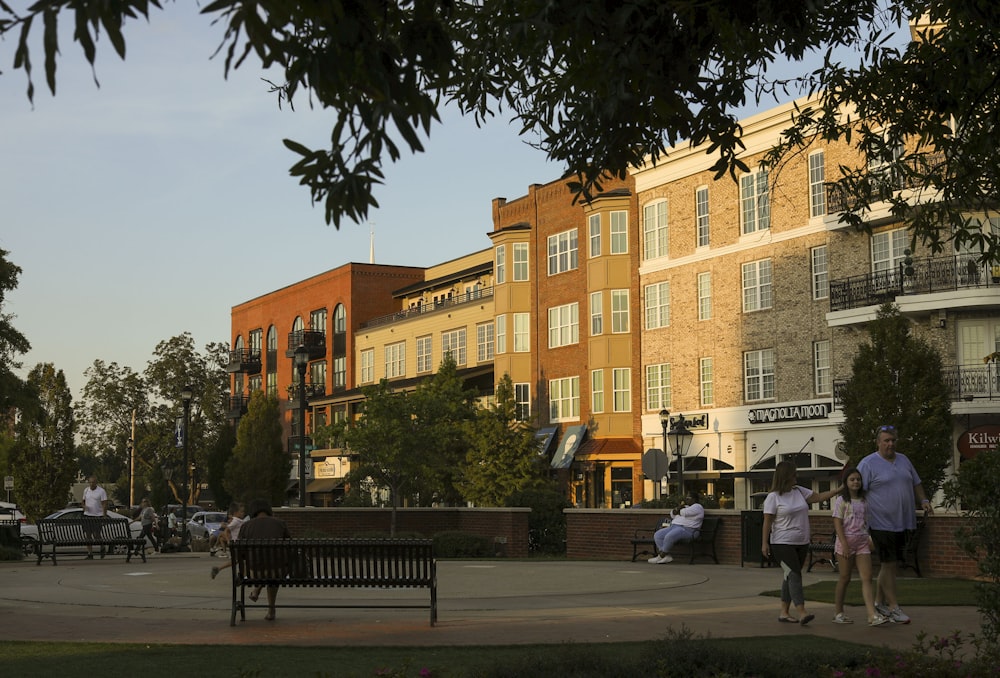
(567, 446)
(324, 485)
(546, 436)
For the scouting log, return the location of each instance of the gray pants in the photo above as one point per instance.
(791, 557)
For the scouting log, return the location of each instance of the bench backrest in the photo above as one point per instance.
(346, 562)
(709, 526)
(71, 529)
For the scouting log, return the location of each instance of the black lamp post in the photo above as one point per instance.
(301, 363)
(665, 423)
(186, 396)
(680, 443)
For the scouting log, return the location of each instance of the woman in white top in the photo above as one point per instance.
(786, 536)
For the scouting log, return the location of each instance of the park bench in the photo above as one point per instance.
(333, 563)
(703, 545)
(60, 534)
(821, 550)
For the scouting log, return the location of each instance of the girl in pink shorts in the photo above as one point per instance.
(853, 547)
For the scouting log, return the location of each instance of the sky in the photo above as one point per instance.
(151, 205)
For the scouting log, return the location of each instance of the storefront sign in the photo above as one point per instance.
(767, 415)
(980, 439)
(332, 467)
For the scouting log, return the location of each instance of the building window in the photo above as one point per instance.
(500, 268)
(564, 325)
(622, 377)
(453, 342)
(658, 388)
(317, 375)
(340, 372)
(520, 261)
(757, 285)
(701, 215)
(368, 366)
(817, 188)
(820, 273)
(619, 312)
(317, 320)
(821, 365)
(562, 252)
(755, 207)
(564, 399)
(522, 332)
(887, 249)
(594, 223)
(619, 232)
(501, 334)
(425, 347)
(596, 313)
(395, 360)
(758, 374)
(704, 296)
(707, 387)
(657, 305)
(254, 339)
(522, 401)
(655, 237)
(254, 383)
(484, 342)
(272, 384)
(597, 390)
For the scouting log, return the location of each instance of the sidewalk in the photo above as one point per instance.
(172, 599)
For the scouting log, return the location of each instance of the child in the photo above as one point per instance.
(853, 546)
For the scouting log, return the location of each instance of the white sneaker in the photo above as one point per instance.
(666, 558)
(842, 618)
(882, 609)
(878, 620)
(655, 560)
(896, 616)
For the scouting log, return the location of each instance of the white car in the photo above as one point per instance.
(10, 513)
(30, 532)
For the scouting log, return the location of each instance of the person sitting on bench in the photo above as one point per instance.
(685, 525)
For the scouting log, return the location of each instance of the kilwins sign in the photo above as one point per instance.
(767, 415)
(980, 439)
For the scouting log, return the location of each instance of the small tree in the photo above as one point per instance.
(259, 466)
(897, 380)
(503, 458)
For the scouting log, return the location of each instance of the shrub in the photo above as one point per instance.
(547, 522)
(462, 545)
(11, 553)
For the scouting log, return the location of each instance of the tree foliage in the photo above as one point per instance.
(503, 457)
(896, 380)
(259, 466)
(602, 87)
(43, 459)
(13, 391)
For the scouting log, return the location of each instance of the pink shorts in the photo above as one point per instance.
(857, 544)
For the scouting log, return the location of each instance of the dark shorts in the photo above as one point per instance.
(92, 526)
(889, 545)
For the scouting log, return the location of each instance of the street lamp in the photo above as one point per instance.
(301, 363)
(680, 443)
(186, 396)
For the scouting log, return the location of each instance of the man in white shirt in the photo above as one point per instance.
(95, 509)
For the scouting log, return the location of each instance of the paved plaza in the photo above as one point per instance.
(172, 599)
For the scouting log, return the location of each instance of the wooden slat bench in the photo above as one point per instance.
(704, 545)
(333, 563)
(61, 533)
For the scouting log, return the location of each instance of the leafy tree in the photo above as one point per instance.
(503, 458)
(259, 466)
(896, 379)
(13, 391)
(43, 455)
(219, 455)
(442, 410)
(602, 86)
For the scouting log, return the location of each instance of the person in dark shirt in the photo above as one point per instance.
(263, 525)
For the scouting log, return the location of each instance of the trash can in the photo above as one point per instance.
(751, 538)
(10, 534)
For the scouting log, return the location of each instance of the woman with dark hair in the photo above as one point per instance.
(786, 536)
(853, 547)
(685, 525)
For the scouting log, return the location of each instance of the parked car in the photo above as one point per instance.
(205, 524)
(29, 533)
(10, 513)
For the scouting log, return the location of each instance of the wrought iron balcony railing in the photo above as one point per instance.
(883, 183)
(238, 406)
(964, 383)
(314, 340)
(244, 360)
(416, 311)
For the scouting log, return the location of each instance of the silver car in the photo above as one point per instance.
(29, 533)
(205, 524)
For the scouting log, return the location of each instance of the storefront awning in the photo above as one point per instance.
(324, 485)
(546, 436)
(567, 446)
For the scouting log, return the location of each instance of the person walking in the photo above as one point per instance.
(147, 518)
(853, 548)
(786, 536)
(685, 525)
(95, 509)
(263, 525)
(230, 533)
(891, 484)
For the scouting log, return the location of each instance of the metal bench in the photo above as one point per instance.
(333, 563)
(112, 536)
(703, 545)
(821, 550)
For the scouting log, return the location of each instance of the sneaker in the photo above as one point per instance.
(655, 560)
(882, 609)
(665, 558)
(212, 550)
(896, 616)
(842, 618)
(878, 620)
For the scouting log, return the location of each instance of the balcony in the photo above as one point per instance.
(317, 390)
(880, 185)
(314, 340)
(423, 309)
(930, 275)
(244, 360)
(973, 382)
(238, 406)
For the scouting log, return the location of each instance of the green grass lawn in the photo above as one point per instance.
(909, 591)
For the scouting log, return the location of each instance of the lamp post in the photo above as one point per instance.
(665, 423)
(186, 396)
(301, 363)
(680, 443)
